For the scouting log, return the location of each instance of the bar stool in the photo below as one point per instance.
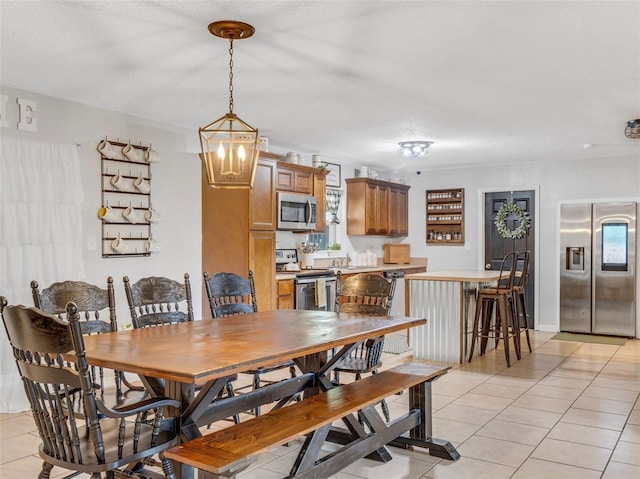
(519, 297)
(502, 296)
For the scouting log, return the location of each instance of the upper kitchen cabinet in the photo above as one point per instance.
(320, 192)
(262, 197)
(376, 207)
(295, 178)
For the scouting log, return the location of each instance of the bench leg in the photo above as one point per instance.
(356, 448)
(421, 435)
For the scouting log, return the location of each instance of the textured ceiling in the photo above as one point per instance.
(488, 82)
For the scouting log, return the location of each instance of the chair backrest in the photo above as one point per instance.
(508, 268)
(39, 340)
(156, 300)
(522, 269)
(91, 301)
(230, 294)
(365, 293)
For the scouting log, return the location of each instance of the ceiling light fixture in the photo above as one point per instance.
(415, 149)
(633, 129)
(230, 146)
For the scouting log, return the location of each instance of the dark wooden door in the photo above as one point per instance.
(496, 247)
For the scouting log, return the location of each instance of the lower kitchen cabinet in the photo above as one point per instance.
(286, 294)
(262, 253)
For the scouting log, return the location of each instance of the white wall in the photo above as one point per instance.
(175, 194)
(600, 179)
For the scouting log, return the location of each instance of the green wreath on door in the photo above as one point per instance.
(512, 209)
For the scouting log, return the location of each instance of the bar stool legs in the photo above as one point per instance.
(484, 328)
(522, 315)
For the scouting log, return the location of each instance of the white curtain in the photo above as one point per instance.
(40, 234)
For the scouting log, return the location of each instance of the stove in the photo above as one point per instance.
(307, 280)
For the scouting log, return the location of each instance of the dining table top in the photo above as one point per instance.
(196, 352)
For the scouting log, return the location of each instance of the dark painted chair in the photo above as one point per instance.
(230, 294)
(158, 301)
(106, 439)
(364, 293)
(97, 308)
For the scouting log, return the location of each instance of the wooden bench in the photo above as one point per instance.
(226, 452)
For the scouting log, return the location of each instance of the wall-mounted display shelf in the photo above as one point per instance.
(126, 212)
(445, 216)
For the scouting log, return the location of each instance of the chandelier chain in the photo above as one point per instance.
(231, 75)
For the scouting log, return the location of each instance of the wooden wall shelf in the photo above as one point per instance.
(445, 216)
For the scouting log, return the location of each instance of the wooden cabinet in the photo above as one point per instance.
(445, 216)
(238, 232)
(262, 198)
(320, 192)
(293, 179)
(262, 253)
(376, 207)
(285, 294)
(398, 211)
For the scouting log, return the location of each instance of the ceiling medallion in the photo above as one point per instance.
(415, 149)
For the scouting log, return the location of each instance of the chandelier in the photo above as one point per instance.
(415, 149)
(230, 146)
(633, 129)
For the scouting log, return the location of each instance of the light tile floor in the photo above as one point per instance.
(567, 410)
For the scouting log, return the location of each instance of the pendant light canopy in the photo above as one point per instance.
(230, 146)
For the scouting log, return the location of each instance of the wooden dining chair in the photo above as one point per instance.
(97, 307)
(230, 294)
(364, 293)
(157, 301)
(106, 439)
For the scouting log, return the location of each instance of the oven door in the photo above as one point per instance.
(306, 294)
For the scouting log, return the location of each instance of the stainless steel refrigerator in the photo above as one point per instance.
(598, 268)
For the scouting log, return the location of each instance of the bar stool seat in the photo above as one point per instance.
(486, 325)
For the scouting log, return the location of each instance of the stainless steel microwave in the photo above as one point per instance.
(296, 212)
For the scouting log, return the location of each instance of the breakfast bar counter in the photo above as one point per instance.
(447, 300)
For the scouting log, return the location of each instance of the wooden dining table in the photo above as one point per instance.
(193, 361)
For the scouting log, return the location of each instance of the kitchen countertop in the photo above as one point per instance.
(414, 263)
